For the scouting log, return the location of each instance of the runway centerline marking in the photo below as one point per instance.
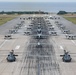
(73, 42)
(17, 47)
(3, 43)
(61, 47)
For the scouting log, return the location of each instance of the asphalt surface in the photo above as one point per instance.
(32, 60)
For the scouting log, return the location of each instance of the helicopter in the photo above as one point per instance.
(11, 56)
(71, 36)
(13, 31)
(66, 31)
(52, 33)
(8, 37)
(66, 57)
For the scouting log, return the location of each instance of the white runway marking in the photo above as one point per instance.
(34, 15)
(3, 43)
(17, 47)
(61, 47)
(73, 42)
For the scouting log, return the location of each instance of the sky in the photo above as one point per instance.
(37, 0)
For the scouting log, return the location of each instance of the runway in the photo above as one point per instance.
(32, 60)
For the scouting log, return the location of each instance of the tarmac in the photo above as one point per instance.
(33, 61)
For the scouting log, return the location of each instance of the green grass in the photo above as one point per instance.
(72, 19)
(6, 18)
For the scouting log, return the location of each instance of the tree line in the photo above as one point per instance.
(34, 12)
(64, 12)
(23, 12)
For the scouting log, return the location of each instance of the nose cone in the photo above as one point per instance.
(39, 43)
(39, 35)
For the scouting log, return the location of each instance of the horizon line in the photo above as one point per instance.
(34, 1)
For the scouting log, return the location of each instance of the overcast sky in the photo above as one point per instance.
(37, 0)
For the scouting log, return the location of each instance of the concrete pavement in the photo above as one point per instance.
(20, 44)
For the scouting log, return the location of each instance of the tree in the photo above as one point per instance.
(62, 12)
